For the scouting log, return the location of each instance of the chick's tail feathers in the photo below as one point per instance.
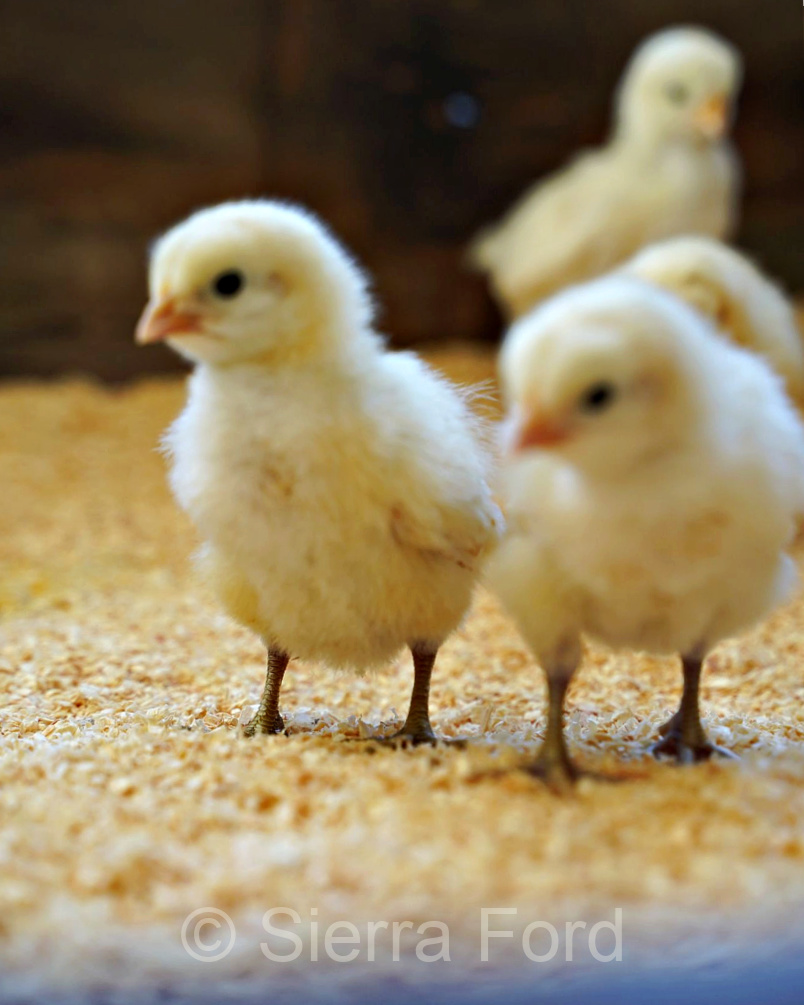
(483, 252)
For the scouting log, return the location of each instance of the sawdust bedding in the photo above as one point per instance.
(128, 797)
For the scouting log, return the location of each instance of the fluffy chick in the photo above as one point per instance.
(652, 480)
(667, 169)
(730, 290)
(340, 489)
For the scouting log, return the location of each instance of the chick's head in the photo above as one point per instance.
(252, 281)
(729, 289)
(599, 377)
(680, 84)
(701, 270)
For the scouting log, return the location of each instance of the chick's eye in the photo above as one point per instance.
(677, 93)
(598, 397)
(229, 283)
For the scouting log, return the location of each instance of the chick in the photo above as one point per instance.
(744, 304)
(652, 479)
(667, 169)
(341, 489)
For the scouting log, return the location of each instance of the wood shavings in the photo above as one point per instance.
(129, 798)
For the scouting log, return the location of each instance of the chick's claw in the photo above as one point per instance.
(410, 737)
(683, 751)
(263, 726)
(558, 774)
(415, 737)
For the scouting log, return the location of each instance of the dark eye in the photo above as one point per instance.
(598, 397)
(677, 93)
(229, 283)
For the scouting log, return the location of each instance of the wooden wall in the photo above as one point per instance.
(405, 123)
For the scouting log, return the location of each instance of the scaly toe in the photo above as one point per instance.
(672, 745)
(559, 776)
(404, 739)
(256, 726)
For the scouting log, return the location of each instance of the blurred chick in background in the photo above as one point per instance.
(340, 488)
(668, 169)
(730, 290)
(653, 477)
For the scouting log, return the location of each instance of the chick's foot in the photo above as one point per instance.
(268, 720)
(264, 726)
(683, 735)
(417, 729)
(558, 773)
(410, 736)
(686, 751)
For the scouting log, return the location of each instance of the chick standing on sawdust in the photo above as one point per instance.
(340, 488)
(729, 289)
(653, 476)
(668, 169)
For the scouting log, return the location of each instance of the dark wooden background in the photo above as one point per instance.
(405, 123)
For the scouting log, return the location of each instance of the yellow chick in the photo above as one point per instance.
(340, 489)
(653, 476)
(668, 169)
(730, 290)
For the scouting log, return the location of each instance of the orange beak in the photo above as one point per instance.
(535, 429)
(712, 117)
(163, 320)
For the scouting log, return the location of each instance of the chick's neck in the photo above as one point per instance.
(641, 141)
(313, 346)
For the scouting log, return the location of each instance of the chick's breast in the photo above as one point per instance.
(354, 509)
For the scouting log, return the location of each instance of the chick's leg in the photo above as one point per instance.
(553, 763)
(417, 728)
(268, 719)
(683, 735)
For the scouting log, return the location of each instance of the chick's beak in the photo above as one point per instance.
(534, 428)
(163, 319)
(711, 118)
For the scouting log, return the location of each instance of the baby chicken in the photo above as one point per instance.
(341, 489)
(653, 476)
(744, 304)
(667, 169)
